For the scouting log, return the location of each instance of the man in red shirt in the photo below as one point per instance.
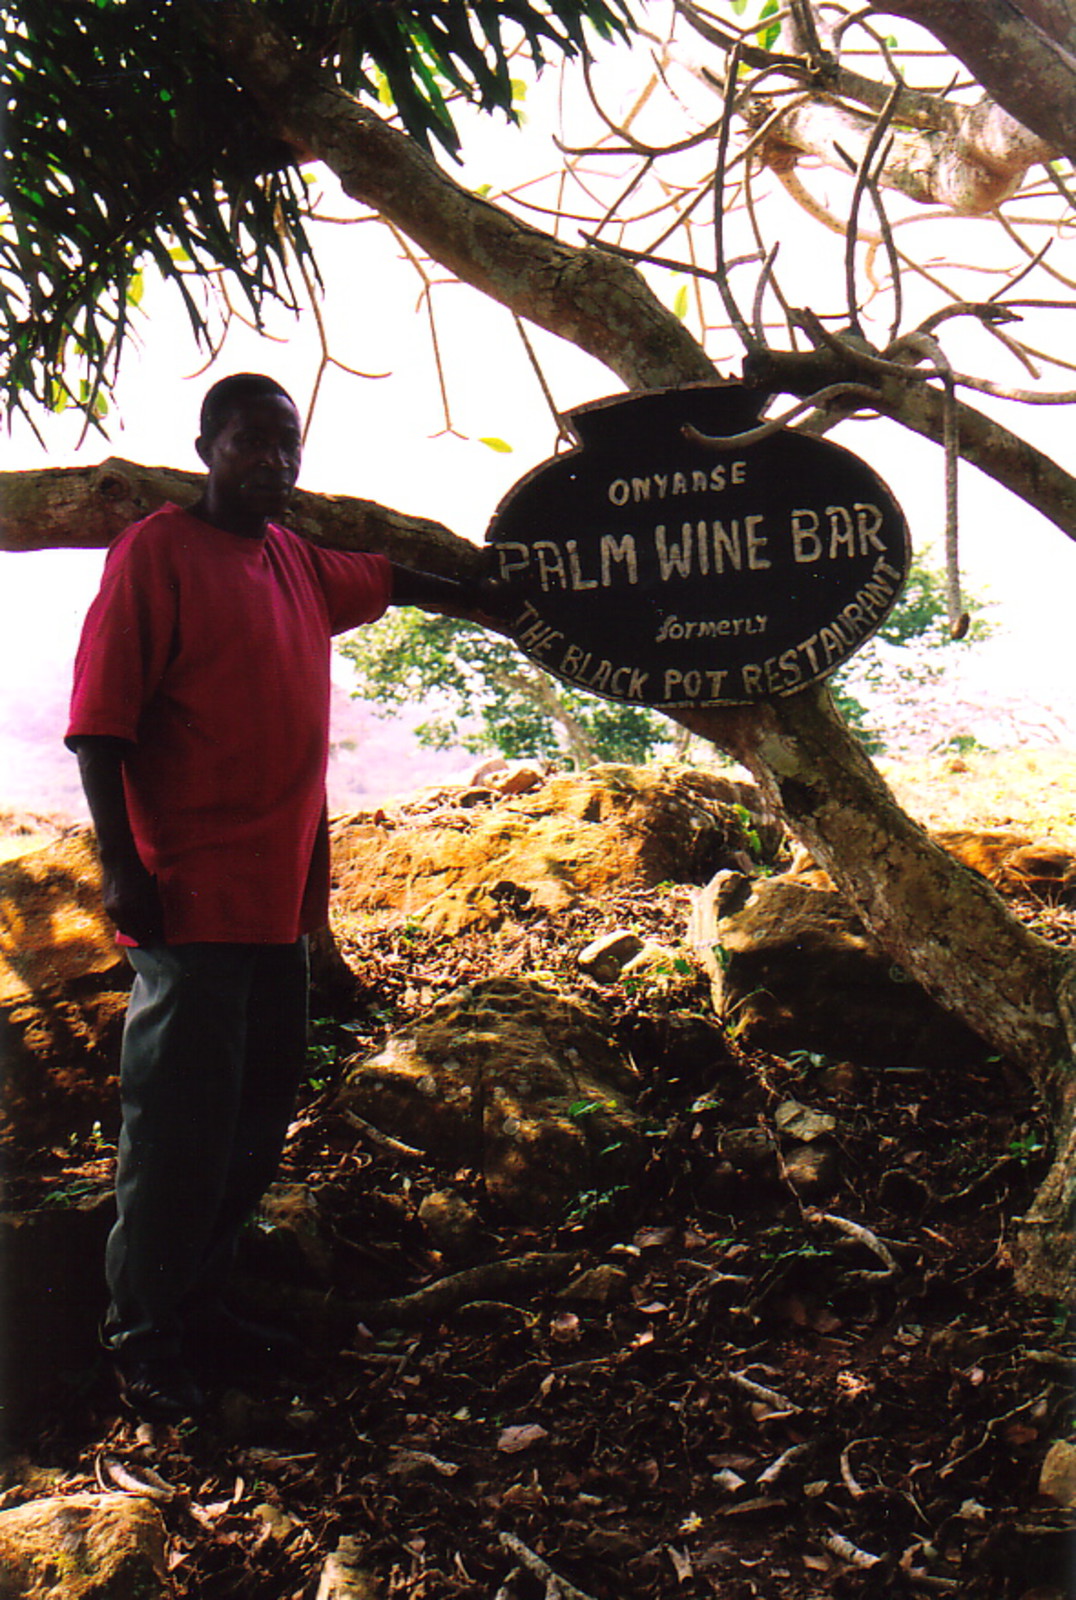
(200, 720)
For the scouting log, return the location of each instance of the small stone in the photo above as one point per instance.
(605, 958)
(750, 1151)
(451, 1223)
(277, 1524)
(343, 1576)
(603, 1285)
(842, 1077)
(716, 1186)
(486, 771)
(812, 1171)
(800, 1122)
(522, 778)
(1057, 1480)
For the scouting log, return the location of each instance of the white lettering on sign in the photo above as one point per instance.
(708, 628)
(849, 532)
(780, 674)
(595, 672)
(711, 547)
(614, 549)
(532, 634)
(699, 549)
(663, 485)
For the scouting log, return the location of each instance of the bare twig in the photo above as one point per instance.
(557, 1588)
(863, 1236)
(848, 1477)
(462, 1288)
(772, 425)
(564, 432)
(863, 181)
(383, 1141)
(735, 315)
(758, 1391)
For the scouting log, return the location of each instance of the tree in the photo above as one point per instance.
(510, 704)
(785, 98)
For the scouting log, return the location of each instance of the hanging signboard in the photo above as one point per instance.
(657, 568)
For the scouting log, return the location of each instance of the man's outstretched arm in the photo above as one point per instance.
(480, 598)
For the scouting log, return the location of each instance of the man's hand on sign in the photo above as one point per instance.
(500, 600)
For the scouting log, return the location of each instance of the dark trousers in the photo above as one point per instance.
(213, 1051)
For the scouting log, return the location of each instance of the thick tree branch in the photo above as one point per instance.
(969, 168)
(984, 443)
(87, 507)
(1023, 54)
(586, 295)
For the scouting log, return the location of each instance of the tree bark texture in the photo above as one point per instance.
(942, 923)
(589, 296)
(969, 168)
(86, 508)
(1023, 54)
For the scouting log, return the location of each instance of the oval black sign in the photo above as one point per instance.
(673, 573)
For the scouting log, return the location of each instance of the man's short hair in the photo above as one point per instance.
(221, 400)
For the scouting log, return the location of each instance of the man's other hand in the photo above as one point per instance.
(132, 901)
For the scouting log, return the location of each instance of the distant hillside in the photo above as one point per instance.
(371, 759)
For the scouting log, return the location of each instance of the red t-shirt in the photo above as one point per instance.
(209, 652)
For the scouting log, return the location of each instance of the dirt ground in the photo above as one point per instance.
(1029, 791)
(717, 1388)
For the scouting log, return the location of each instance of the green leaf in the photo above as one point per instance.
(497, 444)
(680, 302)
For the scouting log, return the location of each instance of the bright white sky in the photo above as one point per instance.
(382, 440)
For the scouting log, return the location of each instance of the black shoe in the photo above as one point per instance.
(225, 1344)
(159, 1388)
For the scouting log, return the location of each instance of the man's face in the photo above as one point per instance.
(253, 462)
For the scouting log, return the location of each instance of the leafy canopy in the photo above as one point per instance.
(128, 140)
(489, 696)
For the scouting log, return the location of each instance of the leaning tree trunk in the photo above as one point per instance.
(942, 923)
(948, 930)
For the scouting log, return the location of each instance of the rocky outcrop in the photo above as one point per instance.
(516, 1078)
(63, 989)
(793, 968)
(83, 1547)
(454, 867)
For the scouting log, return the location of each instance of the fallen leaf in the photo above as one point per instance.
(132, 1478)
(681, 1562)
